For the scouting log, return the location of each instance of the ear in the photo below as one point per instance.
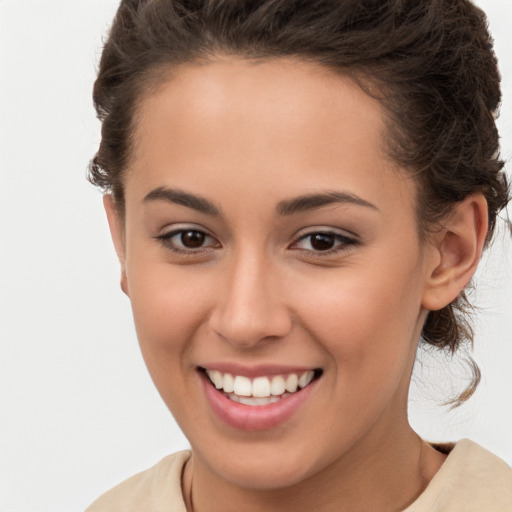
(117, 234)
(456, 251)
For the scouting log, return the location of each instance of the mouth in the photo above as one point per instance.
(260, 390)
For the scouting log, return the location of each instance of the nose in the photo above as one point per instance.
(249, 307)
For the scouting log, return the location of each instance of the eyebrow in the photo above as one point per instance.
(177, 196)
(285, 208)
(313, 201)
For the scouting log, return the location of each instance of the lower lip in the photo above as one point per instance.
(254, 417)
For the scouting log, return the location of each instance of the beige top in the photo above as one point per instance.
(470, 480)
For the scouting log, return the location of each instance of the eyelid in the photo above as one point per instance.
(312, 230)
(348, 239)
(182, 226)
(166, 234)
(178, 227)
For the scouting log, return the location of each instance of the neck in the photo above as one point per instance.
(381, 474)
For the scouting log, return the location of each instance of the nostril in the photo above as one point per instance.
(248, 310)
(247, 329)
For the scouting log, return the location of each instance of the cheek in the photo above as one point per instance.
(365, 318)
(161, 293)
(168, 312)
(168, 308)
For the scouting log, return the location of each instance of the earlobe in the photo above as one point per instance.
(456, 251)
(117, 234)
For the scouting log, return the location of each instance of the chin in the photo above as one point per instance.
(264, 468)
(265, 478)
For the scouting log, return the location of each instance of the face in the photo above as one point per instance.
(268, 239)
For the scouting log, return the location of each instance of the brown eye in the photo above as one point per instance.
(188, 241)
(322, 241)
(192, 239)
(327, 242)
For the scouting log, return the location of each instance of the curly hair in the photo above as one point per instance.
(430, 63)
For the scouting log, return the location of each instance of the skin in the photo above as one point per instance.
(246, 137)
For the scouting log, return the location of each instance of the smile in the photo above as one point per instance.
(260, 390)
(257, 402)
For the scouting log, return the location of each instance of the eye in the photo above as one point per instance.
(326, 242)
(187, 240)
(191, 239)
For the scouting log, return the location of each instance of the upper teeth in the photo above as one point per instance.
(260, 387)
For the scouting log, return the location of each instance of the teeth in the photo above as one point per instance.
(242, 386)
(261, 390)
(217, 379)
(249, 400)
(261, 387)
(229, 383)
(306, 378)
(278, 386)
(292, 381)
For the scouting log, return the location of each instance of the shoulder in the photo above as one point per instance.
(148, 490)
(471, 479)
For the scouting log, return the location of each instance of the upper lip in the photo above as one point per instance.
(255, 370)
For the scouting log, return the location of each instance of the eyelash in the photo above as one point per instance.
(344, 242)
(166, 240)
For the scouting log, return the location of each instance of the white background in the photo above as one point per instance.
(78, 412)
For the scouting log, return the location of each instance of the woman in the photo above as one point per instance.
(298, 192)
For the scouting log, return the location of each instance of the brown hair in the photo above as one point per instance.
(432, 60)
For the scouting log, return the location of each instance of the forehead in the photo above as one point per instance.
(296, 97)
(282, 124)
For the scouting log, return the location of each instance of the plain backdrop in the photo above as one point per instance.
(78, 412)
